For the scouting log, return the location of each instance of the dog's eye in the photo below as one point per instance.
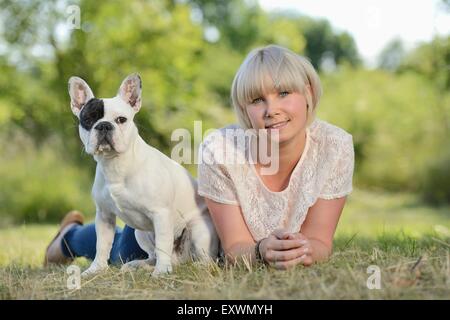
(120, 120)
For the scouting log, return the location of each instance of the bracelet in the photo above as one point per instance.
(258, 255)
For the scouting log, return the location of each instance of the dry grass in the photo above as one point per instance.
(414, 265)
(403, 276)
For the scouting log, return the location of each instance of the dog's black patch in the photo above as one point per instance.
(93, 111)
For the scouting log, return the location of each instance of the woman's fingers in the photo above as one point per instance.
(285, 234)
(281, 234)
(283, 265)
(286, 255)
(294, 249)
(297, 235)
(275, 251)
(275, 244)
(280, 245)
(307, 260)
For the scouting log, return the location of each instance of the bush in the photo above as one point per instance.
(39, 184)
(435, 188)
(397, 122)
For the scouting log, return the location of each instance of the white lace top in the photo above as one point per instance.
(325, 170)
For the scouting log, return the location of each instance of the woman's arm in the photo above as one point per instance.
(320, 225)
(234, 235)
(237, 241)
(316, 237)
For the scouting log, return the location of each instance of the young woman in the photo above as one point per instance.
(285, 218)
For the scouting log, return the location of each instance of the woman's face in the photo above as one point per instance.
(283, 111)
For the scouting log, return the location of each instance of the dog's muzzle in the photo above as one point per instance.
(104, 136)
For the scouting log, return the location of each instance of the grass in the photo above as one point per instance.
(408, 241)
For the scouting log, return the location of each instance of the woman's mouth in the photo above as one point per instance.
(278, 125)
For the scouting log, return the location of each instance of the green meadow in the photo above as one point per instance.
(409, 242)
(395, 225)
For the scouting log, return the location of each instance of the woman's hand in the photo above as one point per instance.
(284, 250)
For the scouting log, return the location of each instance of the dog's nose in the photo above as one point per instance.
(104, 126)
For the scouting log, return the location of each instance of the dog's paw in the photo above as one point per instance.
(137, 264)
(162, 269)
(93, 269)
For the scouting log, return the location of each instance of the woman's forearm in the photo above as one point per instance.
(237, 252)
(321, 252)
(241, 251)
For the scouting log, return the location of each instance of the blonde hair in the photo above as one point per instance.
(274, 67)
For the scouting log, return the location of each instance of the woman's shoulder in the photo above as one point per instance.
(217, 137)
(221, 144)
(326, 134)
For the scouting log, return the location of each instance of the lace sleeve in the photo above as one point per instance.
(339, 182)
(214, 181)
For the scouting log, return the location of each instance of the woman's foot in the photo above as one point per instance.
(54, 253)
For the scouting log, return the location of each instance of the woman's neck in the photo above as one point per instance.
(290, 153)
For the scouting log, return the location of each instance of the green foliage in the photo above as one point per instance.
(243, 26)
(39, 184)
(392, 55)
(322, 41)
(394, 123)
(399, 120)
(435, 188)
(432, 61)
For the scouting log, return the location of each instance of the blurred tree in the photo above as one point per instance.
(187, 52)
(237, 21)
(394, 130)
(37, 90)
(432, 62)
(244, 25)
(158, 39)
(322, 42)
(392, 55)
(29, 27)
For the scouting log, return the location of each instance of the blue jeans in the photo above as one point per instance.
(80, 241)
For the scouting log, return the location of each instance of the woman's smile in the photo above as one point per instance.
(277, 125)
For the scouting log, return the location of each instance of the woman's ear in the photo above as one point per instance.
(308, 91)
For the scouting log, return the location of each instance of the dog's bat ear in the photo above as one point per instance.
(80, 93)
(130, 91)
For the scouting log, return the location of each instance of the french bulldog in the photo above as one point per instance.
(139, 184)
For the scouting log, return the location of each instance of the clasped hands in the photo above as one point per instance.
(283, 249)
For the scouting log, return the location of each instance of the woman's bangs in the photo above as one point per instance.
(260, 78)
(289, 78)
(256, 81)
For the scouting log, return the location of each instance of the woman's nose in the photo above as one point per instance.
(272, 108)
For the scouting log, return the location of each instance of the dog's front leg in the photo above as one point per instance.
(105, 224)
(163, 226)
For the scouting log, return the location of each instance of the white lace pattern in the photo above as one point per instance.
(325, 170)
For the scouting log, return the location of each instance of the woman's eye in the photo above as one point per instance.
(120, 120)
(257, 100)
(284, 93)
